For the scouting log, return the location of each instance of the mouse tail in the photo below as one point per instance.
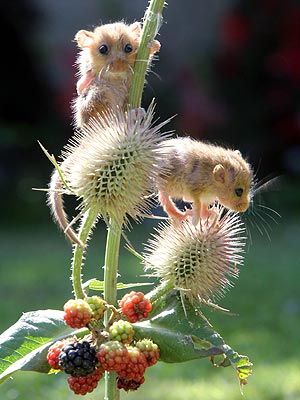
(55, 201)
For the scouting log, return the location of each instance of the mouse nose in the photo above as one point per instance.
(242, 207)
(118, 65)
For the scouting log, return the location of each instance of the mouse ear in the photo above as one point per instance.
(154, 47)
(219, 173)
(136, 28)
(84, 38)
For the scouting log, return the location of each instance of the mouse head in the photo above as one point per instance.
(232, 181)
(112, 48)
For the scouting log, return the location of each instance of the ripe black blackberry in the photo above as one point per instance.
(78, 359)
(129, 384)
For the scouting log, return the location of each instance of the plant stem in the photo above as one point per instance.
(152, 22)
(110, 292)
(86, 226)
(151, 25)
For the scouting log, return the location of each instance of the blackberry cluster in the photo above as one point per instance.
(85, 363)
(78, 359)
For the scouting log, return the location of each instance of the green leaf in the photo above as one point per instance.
(25, 344)
(95, 284)
(183, 334)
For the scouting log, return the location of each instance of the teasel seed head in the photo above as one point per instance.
(113, 162)
(199, 260)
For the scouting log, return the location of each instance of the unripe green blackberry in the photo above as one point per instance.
(127, 384)
(149, 349)
(122, 331)
(78, 359)
(98, 306)
(78, 313)
(113, 356)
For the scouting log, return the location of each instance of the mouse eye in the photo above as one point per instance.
(239, 192)
(128, 48)
(103, 49)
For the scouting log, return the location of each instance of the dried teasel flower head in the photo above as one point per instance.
(112, 164)
(198, 260)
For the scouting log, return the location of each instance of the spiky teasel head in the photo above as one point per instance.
(198, 260)
(113, 162)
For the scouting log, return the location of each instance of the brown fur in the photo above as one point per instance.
(202, 173)
(105, 79)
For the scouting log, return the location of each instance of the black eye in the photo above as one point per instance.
(239, 192)
(128, 48)
(103, 49)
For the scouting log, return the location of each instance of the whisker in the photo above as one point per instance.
(155, 74)
(263, 219)
(263, 226)
(258, 228)
(270, 209)
(269, 215)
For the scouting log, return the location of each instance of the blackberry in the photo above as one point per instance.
(85, 384)
(135, 306)
(77, 314)
(129, 384)
(122, 331)
(98, 306)
(113, 356)
(150, 350)
(78, 359)
(135, 366)
(53, 354)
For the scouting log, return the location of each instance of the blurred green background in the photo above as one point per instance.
(230, 70)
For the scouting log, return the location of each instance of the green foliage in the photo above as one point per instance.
(24, 345)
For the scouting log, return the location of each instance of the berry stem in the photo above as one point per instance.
(87, 223)
(110, 292)
(152, 22)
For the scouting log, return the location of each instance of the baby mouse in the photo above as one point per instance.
(105, 66)
(202, 173)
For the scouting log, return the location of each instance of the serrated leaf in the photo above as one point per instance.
(182, 334)
(25, 344)
(95, 284)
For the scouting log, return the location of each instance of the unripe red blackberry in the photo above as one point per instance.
(122, 331)
(135, 306)
(98, 306)
(128, 384)
(149, 349)
(78, 313)
(78, 359)
(113, 356)
(53, 354)
(136, 365)
(85, 384)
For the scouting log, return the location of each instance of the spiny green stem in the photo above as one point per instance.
(111, 263)
(88, 221)
(152, 22)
